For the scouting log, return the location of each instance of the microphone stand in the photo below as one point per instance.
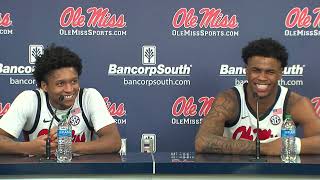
(48, 147)
(257, 158)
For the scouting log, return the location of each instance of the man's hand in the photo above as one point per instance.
(272, 148)
(53, 140)
(38, 145)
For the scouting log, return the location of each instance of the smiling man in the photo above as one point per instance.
(57, 74)
(230, 126)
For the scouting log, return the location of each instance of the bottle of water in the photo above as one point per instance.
(288, 133)
(64, 151)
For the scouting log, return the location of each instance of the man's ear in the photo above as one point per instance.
(246, 67)
(44, 86)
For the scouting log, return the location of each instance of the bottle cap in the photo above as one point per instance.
(288, 116)
(64, 117)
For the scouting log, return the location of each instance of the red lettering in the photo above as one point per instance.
(72, 17)
(316, 22)
(5, 21)
(43, 132)
(263, 134)
(244, 133)
(187, 18)
(187, 107)
(316, 102)
(78, 138)
(102, 18)
(214, 18)
(298, 18)
(4, 109)
(113, 109)
(206, 105)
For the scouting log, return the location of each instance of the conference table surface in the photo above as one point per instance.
(160, 163)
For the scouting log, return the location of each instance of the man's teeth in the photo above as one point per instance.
(262, 86)
(68, 97)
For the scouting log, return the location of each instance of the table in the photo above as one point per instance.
(137, 163)
(191, 163)
(161, 165)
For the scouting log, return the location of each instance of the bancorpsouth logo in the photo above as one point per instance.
(34, 51)
(149, 56)
(150, 68)
(188, 110)
(289, 72)
(5, 23)
(22, 70)
(94, 18)
(227, 70)
(117, 111)
(212, 21)
(300, 21)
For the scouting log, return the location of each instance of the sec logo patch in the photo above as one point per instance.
(74, 120)
(275, 120)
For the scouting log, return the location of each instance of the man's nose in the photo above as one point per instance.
(68, 87)
(262, 76)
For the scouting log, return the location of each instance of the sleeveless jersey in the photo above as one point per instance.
(82, 129)
(245, 127)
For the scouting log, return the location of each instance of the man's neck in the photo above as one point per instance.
(264, 102)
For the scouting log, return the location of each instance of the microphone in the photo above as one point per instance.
(48, 147)
(257, 158)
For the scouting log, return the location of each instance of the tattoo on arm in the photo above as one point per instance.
(5, 139)
(222, 145)
(210, 135)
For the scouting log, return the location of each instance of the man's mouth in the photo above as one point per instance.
(262, 87)
(67, 97)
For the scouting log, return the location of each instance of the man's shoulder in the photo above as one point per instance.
(228, 93)
(90, 92)
(296, 99)
(228, 98)
(27, 94)
(90, 95)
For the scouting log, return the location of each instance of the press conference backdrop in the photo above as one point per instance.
(158, 64)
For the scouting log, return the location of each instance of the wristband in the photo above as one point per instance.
(298, 145)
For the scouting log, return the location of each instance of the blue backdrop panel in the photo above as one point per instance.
(159, 64)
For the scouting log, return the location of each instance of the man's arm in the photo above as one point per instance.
(303, 113)
(108, 142)
(210, 138)
(8, 145)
